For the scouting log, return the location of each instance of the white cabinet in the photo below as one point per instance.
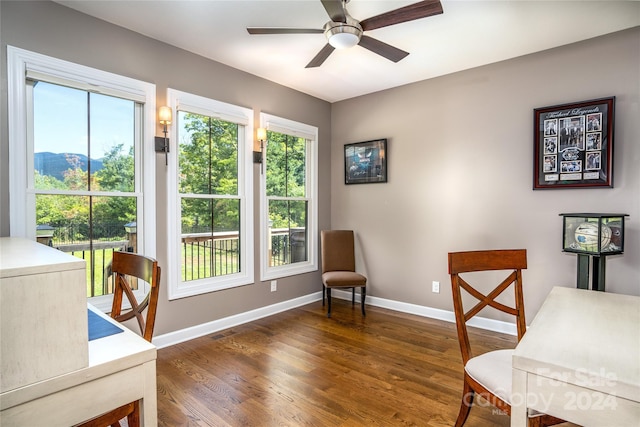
(43, 313)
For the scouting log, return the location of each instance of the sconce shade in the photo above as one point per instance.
(162, 144)
(164, 115)
(261, 134)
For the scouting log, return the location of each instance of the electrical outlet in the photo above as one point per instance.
(274, 285)
(435, 287)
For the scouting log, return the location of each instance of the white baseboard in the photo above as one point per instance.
(192, 332)
(432, 313)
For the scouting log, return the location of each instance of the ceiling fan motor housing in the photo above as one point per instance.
(342, 35)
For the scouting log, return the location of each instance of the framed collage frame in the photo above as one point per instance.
(573, 145)
(365, 162)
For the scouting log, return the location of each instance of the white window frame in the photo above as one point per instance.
(183, 101)
(310, 133)
(21, 63)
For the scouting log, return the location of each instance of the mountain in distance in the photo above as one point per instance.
(55, 164)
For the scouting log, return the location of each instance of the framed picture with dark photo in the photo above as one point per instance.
(573, 145)
(365, 162)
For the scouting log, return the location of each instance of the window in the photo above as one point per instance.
(210, 205)
(288, 199)
(79, 171)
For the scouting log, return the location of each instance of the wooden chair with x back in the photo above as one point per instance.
(129, 270)
(489, 374)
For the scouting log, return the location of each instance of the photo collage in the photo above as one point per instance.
(572, 147)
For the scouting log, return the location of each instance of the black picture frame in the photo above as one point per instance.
(573, 145)
(365, 162)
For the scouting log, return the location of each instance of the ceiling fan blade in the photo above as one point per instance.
(321, 56)
(335, 10)
(408, 13)
(254, 30)
(376, 46)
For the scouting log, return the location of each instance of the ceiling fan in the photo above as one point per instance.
(344, 31)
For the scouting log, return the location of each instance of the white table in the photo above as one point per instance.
(580, 360)
(122, 369)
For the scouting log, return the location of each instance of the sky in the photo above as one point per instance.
(61, 124)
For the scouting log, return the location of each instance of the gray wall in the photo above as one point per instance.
(57, 31)
(460, 158)
(460, 170)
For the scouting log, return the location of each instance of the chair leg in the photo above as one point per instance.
(133, 419)
(544, 421)
(363, 295)
(328, 302)
(113, 417)
(465, 405)
(535, 422)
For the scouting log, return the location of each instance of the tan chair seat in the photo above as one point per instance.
(493, 371)
(343, 279)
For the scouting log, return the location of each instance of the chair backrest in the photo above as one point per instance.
(514, 260)
(128, 268)
(338, 252)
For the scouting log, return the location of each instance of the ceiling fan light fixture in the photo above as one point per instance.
(342, 36)
(343, 40)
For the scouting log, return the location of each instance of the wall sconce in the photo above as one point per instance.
(162, 143)
(261, 136)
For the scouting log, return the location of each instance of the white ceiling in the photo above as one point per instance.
(468, 34)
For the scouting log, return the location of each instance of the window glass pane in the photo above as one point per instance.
(296, 162)
(71, 126)
(286, 165)
(66, 218)
(208, 155)
(112, 141)
(288, 231)
(113, 228)
(90, 228)
(117, 171)
(60, 135)
(210, 229)
(276, 164)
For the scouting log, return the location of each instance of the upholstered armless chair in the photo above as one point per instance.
(339, 266)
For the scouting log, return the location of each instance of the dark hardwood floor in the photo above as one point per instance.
(299, 368)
